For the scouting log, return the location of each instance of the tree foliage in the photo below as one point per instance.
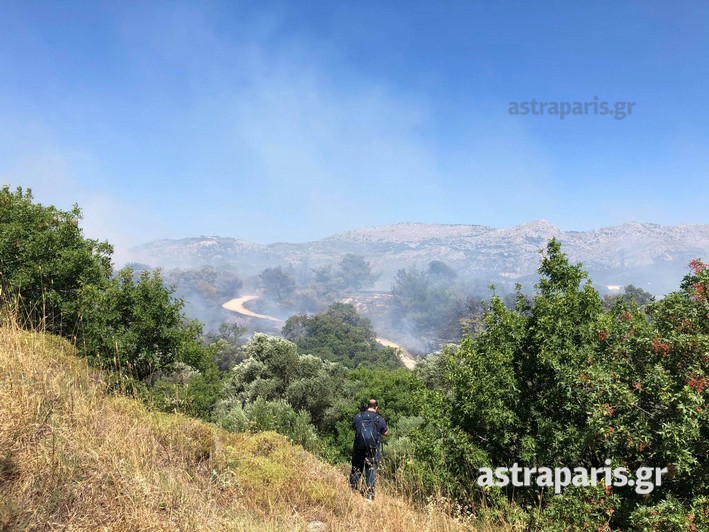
(355, 273)
(341, 335)
(559, 382)
(261, 415)
(46, 262)
(137, 326)
(429, 302)
(552, 380)
(226, 345)
(63, 282)
(276, 283)
(274, 370)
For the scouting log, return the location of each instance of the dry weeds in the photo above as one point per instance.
(73, 457)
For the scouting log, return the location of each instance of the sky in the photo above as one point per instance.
(291, 121)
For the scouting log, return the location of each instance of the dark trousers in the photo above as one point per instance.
(364, 461)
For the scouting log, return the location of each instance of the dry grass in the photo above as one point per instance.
(72, 457)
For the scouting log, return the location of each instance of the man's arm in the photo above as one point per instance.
(384, 430)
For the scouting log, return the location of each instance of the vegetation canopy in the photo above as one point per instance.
(558, 378)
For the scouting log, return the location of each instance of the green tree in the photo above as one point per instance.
(355, 273)
(630, 293)
(640, 296)
(428, 301)
(277, 284)
(46, 262)
(341, 335)
(205, 285)
(262, 415)
(131, 323)
(273, 370)
(396, 392)
(137, 327)
(226, 345)
(324, 281)
(557, 381)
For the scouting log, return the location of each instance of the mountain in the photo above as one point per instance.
(651, 256)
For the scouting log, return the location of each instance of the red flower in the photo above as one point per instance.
(698, 383)
(697, 266)
(660, 346)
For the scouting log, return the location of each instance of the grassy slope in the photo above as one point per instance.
(73, 457)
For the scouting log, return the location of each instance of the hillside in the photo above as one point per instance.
(73, 456)
(648, 255)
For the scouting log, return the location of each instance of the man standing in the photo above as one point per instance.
(369, 427)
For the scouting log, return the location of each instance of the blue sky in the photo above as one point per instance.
(290, 121)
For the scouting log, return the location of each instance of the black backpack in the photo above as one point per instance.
(367, 437)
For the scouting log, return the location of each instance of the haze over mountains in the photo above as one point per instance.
(651, 256)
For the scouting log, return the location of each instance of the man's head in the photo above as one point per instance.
(373, 405)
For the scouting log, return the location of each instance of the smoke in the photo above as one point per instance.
(257, 132)
(59, 175)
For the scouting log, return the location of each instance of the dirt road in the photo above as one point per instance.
(237, 305)
(405, 356)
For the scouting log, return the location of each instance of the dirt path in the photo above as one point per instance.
(405, 356)
(237, 305)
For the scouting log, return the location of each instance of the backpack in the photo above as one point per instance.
(367, 436)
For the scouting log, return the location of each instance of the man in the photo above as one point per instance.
(369, 427)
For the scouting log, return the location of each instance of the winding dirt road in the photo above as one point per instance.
(237, 305)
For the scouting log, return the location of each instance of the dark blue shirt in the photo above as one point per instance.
(379, 422)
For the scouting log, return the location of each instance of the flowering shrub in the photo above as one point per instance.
(559, 381)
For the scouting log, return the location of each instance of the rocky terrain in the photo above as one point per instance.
(651, 256)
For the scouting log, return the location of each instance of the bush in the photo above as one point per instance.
(137, 327)
(341, 335)
(45, 262)
(275, 371)
(263, 415)
(559, 382)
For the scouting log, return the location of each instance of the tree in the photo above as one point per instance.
(206, 283)
(262, 415)
(630, 293)
(137, 327)
(226, 346)
(273, 370)
(204, 289)
(340, 334)
(395, 390)
(428, 300)
(61, 282)
(440, 271)
(277, 283)
(45, 261)
(558, 381)
(640, 296)
(355, 273)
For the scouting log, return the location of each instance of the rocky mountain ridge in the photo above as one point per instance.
(649, 255)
